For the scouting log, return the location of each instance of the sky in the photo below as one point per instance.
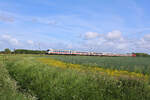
(117, 26)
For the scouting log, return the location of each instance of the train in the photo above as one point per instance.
(72, 52)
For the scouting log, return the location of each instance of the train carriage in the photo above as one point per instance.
(71, 52)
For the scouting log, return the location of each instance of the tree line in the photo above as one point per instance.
(142, 55)
(22, 51)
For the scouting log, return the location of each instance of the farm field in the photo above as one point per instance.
(8, 87)
(132, 64)
(78, 77)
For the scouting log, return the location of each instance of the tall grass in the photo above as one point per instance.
(54, 83)
(132, 64)
(112, 73)
(8, 87)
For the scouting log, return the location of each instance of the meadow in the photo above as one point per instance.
(8, 86)
(66, 78)
(132, 64)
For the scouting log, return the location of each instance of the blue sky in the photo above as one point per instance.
(88, 25)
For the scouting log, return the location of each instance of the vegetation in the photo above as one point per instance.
(7, 51)
(114, 73)
(22, 51)
(47, 78)
(8, 87)
(57, 81)
(142, 55)
(131, 64)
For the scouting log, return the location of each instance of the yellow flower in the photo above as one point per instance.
(114, 73)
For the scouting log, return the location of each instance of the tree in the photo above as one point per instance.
(142, 54)
(24, 51)
(7, 51)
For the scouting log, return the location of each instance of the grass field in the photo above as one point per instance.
(8, 87)
(77, 77)
(132, 64)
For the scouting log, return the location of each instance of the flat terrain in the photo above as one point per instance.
(132, 64)
(47, 77)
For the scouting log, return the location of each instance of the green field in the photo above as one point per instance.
(132, 64)
(56, 78)
(8, 87)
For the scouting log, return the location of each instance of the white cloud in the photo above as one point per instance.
(91, 35)
(122, 46)
(9, 39)
(144, 43)
(70, 46)
(30, 42)
(44, 21)
(147, 37)
(110, 42)
(141, 41)
(6, 17)
(101, 40)
(14, 41)
(116, 34)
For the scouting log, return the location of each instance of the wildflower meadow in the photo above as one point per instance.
(42, 77)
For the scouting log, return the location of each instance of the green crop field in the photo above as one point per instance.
(132, 64)
(74, 78)
(8, 87)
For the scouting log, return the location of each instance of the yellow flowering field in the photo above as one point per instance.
(113, 73)
(46, 78)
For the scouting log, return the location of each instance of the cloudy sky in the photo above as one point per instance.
(87, 25)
